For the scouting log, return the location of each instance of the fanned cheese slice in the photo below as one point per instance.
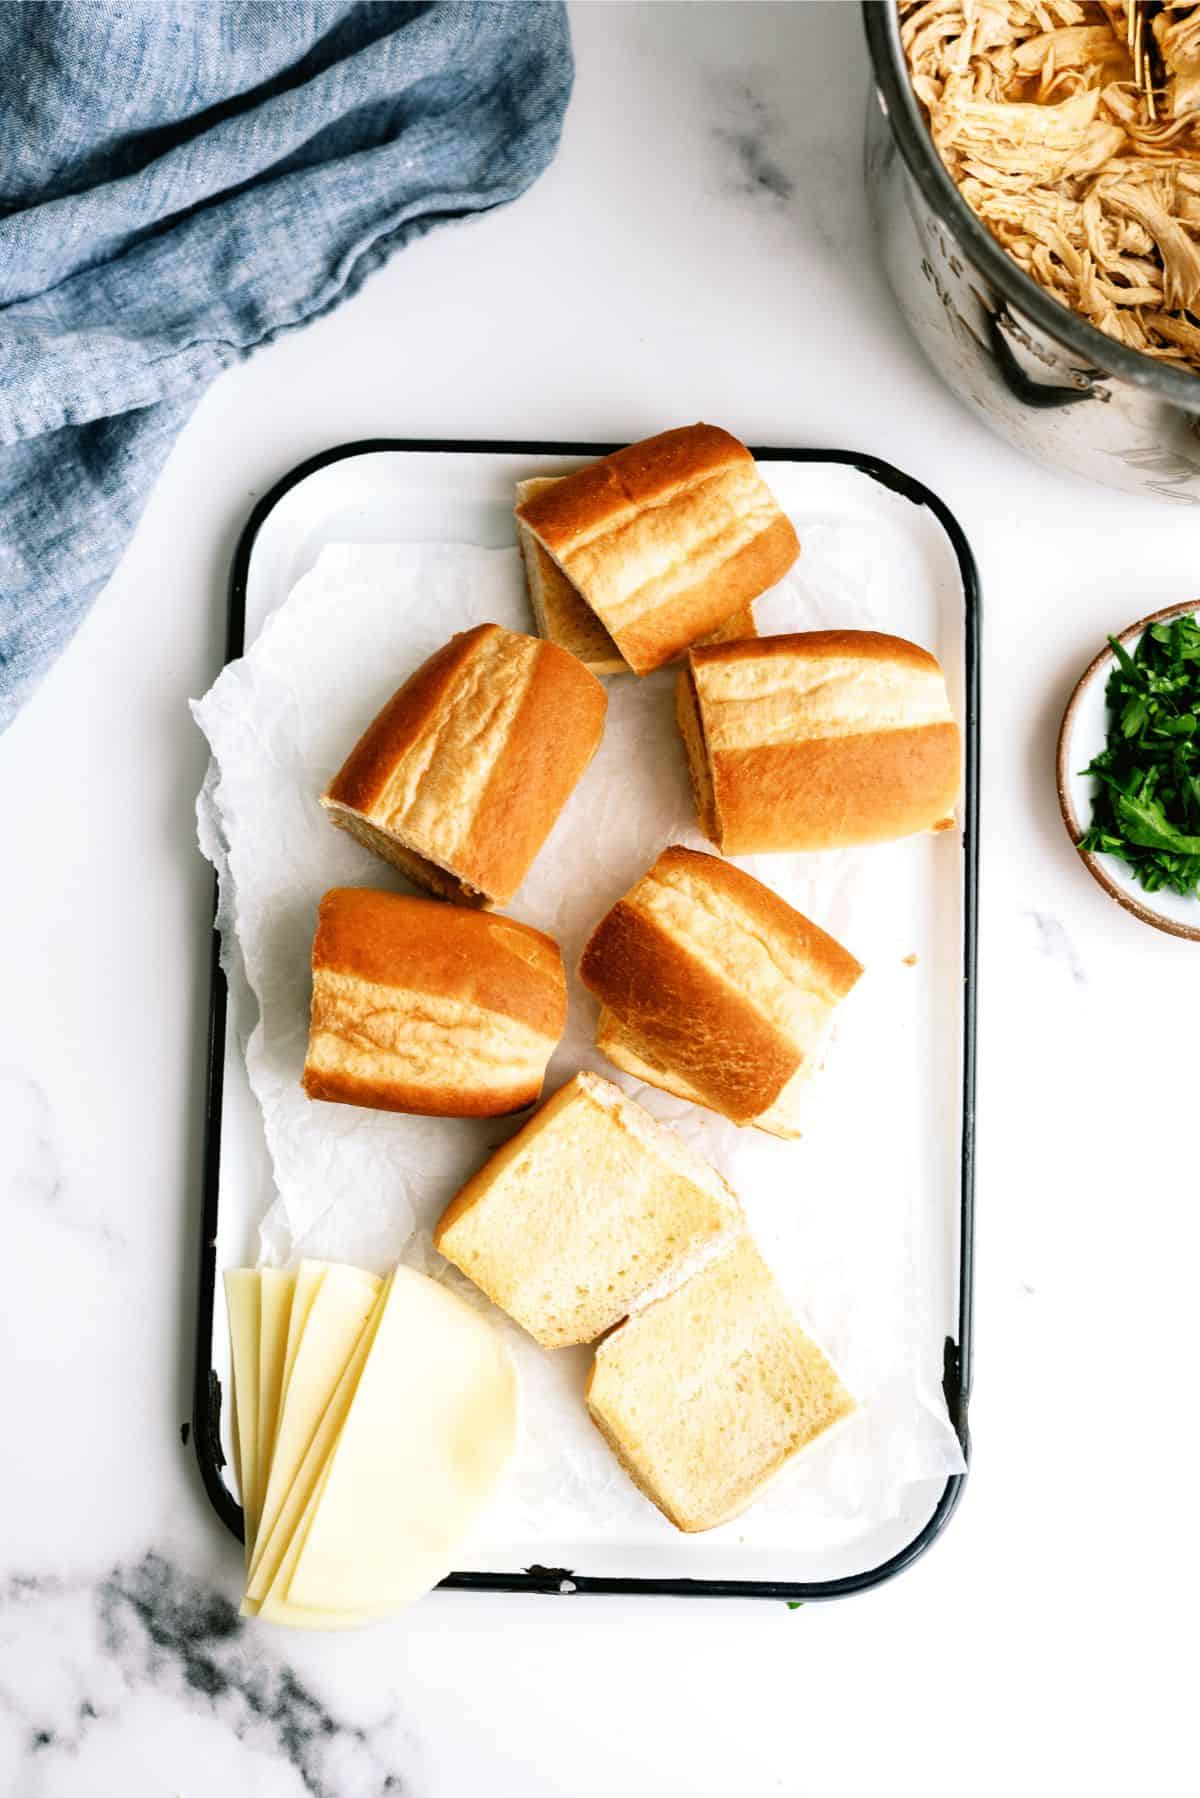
(429, 1434)
(309, 1275)
(242, 1304)
(275, 1309)
(336, 1319)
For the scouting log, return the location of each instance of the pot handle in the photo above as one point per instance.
(1021, 385)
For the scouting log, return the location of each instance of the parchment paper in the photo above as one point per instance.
(845, 1216)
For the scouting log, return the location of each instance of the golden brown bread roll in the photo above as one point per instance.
(665, 540)
(430, 1008)
(818, 740)
(715, 989)
(460, 778)
(564, 617)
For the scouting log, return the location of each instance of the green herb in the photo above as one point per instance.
(795, 1604)
(1146, 807)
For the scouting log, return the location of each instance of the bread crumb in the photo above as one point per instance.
(910, 961)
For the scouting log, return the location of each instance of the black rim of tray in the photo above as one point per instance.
(956, 1380)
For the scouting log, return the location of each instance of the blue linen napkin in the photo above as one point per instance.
(182, 179)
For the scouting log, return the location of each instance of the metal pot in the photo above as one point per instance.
(1035, 372)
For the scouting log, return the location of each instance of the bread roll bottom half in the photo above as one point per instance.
(715, 989)
(460, 778)
(818, 740)
(430, 1008)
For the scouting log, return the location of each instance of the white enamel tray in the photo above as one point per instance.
(388, 491)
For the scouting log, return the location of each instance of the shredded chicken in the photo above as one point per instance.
(1035, 112)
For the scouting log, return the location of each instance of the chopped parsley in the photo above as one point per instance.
(1146, 806)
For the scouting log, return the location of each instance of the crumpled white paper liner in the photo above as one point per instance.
(848, 1216)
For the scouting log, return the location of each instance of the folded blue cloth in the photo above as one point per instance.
(182, 179)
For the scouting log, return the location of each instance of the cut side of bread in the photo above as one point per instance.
(691, 729)
(563, 615)
(591, 1206)
(666, 541)
(388, 846)
(460, 778)
(818, 740)
(716, 989)
(560, 611)
(709, 1392)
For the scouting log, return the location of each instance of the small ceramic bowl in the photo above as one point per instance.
(1082, 736)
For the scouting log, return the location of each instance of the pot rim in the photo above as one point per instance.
(881, 19)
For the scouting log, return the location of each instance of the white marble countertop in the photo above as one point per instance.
(700, 247)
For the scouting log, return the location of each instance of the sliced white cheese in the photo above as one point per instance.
(242, 1305)
(336, 1318)
(429, 1435)
(275, 1310)
(274, 1546)
(276, 1609)
(309, 1275)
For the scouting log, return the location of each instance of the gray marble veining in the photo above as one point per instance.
(1055, 942)
(33, 1171)
(751, 134)
(32, 1168)
(150, 1627)
(777, 153)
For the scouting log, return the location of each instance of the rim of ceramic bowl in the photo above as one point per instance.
(881, 19)
(1075, 830)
